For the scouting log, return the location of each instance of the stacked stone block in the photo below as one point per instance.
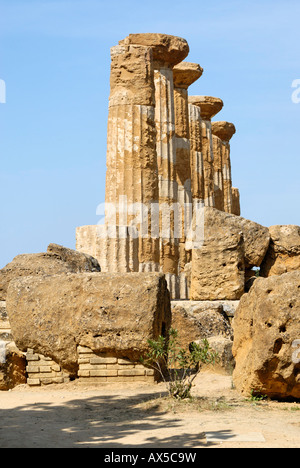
(42, 370)
(94, 368)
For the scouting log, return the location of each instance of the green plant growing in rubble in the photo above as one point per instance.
(177, 367)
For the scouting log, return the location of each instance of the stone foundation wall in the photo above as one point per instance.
(94, 368)
(41, 370)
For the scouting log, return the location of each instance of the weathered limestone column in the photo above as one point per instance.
(124, 242)
(236, 204)
(209, 107)
(225, 131)
(218, 173)
(168, 51)
(184, 74)
(197, 173)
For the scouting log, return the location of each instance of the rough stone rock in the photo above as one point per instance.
(256, 238)
(218, 270)
(283, 254)
(267, 338)
(108, 313)
(231, 244)
(223, 347)
(77, 261)
(195, 321)
(56, 260)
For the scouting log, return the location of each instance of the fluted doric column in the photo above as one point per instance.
(124, 241)
(209, 107)
(168, 51)
(218, 173)
(223, 132)
(184, 75)
(236, 204)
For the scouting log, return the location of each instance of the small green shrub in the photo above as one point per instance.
(256, 396)
(177, 367)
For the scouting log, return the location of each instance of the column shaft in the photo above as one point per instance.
(168, 187)
(218, 173)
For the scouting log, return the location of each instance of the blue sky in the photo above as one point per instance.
(55, 61)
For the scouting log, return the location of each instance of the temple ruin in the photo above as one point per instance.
(173, 252)
(166, 160)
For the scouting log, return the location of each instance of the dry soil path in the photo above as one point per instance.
(131, 416)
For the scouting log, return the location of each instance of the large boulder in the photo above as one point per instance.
(256, 237)
(218, 268)
(231, 245)
(108, 313)
(283, 254)
(195, 321)
(267, 338)
(56, 260)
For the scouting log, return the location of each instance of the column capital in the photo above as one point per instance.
(186, 73)
(223, 130)
(168, 50)
(209, 105)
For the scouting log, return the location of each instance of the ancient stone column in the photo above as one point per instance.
(209, 107)
(168, 51)
(124, 241)
(184, 74)
(197, 173)
(236, 205)
(218, 173)
(225, 131)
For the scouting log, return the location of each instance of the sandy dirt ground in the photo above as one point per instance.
(139, 416)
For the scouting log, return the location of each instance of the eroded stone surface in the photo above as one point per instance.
(283, 254)
(218, 266)
(57, 259)
(108, 313)
(166, 48)
(267, 338)
(231, 244)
